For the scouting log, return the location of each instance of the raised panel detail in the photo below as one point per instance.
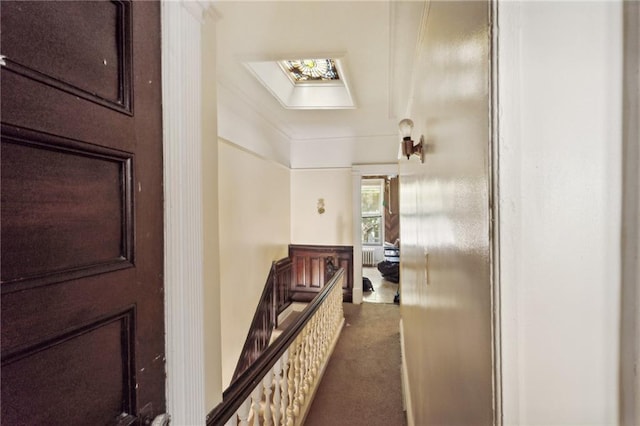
(83, 48)
(91, 365)
(310, 270)
(300, 271)
(316, 278)
(66, 207)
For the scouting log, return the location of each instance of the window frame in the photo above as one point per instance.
(380, 183)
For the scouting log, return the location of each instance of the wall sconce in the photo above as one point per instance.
(408, 148)
(320, 205)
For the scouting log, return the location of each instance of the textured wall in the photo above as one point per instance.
(254, 202)
(446, 307)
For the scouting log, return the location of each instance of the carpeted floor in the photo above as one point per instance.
(361, 385)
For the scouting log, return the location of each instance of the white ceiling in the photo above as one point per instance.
(376, 41)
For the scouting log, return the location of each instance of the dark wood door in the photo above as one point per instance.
(81, 221)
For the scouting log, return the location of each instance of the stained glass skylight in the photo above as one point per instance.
(306, 83)
(310, 70)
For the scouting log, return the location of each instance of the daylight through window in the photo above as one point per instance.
(310, 70)
(372, 191)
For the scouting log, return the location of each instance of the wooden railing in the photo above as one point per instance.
(278, 387)
(282, 285)
(274, 299)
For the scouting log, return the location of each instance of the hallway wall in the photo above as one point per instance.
(560, 190)
(446, 286)
(334, 226)
(254, 226)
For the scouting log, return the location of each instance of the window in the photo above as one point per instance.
(372, 194)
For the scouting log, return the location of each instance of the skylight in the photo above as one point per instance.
(305, 83)
(310, 70)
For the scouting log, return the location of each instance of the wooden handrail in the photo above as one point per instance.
(247, 381)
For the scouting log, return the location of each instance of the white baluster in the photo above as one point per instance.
(291, 384)
(321, 336)
(243, 412)
(317, 342)
(256, 397)
(233, 421)
(277, 389)
(312, 352)
(267, 382)
(297, 377)
(326, 317)
(315, 355)
(304, 350)
(285, 387)
(308, 376)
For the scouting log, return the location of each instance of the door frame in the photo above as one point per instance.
(193, 364)
(629, 393)
(504, 53)
(359, 171)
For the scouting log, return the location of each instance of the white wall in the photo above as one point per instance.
(559, 154)
(254, 203)
(241, 122)
(334, 226)
(210, 238)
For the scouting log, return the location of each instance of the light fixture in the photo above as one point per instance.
(408, 148)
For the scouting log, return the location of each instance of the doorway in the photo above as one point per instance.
(380, 231)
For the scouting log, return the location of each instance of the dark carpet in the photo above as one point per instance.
(361, 385)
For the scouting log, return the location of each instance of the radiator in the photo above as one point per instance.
(368, 256)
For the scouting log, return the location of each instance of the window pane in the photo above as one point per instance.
(371, 227)
(371, 200)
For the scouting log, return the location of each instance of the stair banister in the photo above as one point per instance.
(290, 360)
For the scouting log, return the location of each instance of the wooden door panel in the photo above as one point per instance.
(73, 366)
(82, 48)
(82, 325)
(37, 314)
(309, 271)
(315, 274)
(38, 106)
(66, 207)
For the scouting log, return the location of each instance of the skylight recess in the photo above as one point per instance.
(305, 83)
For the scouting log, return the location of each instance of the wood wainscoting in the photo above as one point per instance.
(313, 266)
